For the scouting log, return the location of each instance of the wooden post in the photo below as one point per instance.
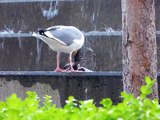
(139, 46)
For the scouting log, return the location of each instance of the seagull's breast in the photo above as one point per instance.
(77, 44)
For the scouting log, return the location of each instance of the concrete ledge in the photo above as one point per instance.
(51, 73)
(81, 85)
(15, 1)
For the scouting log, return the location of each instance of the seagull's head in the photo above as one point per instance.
(77, 58)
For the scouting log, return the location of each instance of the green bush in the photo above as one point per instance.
(141, 108)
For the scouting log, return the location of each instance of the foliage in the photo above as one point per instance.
(141, 108)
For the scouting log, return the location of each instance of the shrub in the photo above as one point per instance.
(140, 108)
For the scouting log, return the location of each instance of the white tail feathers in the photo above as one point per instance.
(35, 34)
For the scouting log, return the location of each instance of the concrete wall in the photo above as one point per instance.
(100, 52)
(82, 86)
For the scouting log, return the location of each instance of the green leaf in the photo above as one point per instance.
(107, 103)
(148, 80)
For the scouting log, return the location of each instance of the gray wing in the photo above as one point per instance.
(65, 34)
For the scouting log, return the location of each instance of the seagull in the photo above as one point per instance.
(66, 39)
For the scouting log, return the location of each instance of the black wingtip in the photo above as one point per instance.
(41, 32)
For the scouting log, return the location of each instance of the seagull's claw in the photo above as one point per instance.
(71, 70)
(59, 70)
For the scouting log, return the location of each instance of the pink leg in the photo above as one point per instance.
(58, 69)
(70, 62)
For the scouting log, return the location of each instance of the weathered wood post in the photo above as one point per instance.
(139, 46)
